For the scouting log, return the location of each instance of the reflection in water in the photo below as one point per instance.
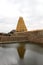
(33, 56)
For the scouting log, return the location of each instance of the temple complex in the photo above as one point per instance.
(22, 36)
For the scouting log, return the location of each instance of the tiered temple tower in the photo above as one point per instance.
(21, 25)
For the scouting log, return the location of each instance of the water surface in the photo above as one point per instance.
(33, 55)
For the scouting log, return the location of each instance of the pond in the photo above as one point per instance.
(33, 55)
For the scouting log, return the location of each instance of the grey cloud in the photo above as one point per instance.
(29, 10)
(9, 20)
(27, 7)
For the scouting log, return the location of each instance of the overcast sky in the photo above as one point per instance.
(30, 10)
